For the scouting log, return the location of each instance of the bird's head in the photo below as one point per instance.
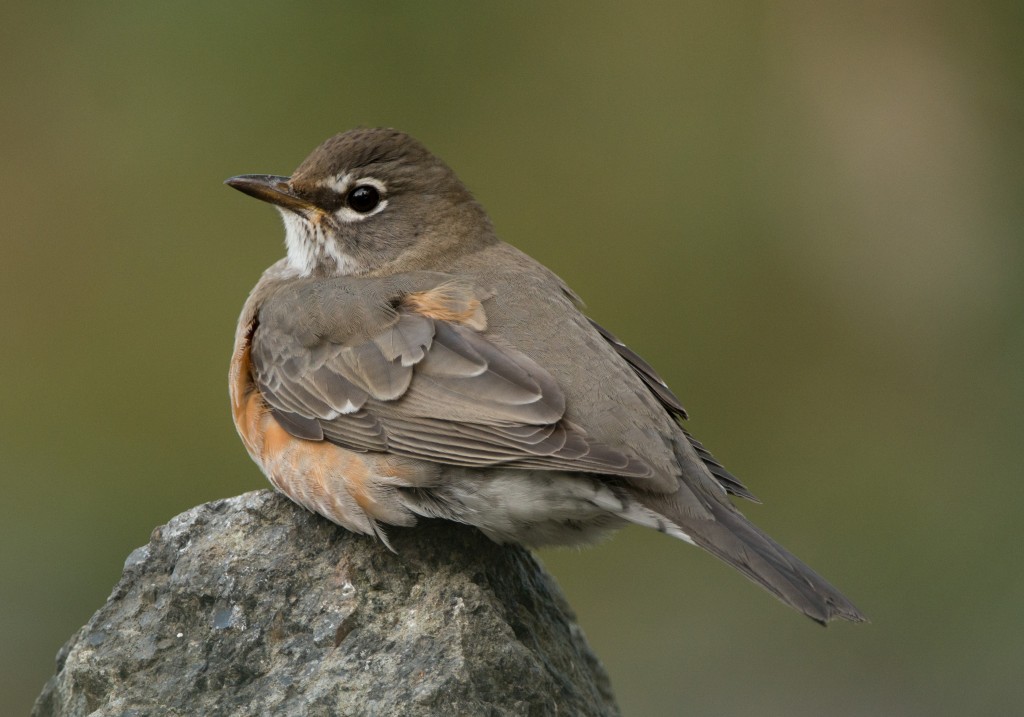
(371, 201)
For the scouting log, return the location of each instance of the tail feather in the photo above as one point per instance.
(729, 536)
(746, 547)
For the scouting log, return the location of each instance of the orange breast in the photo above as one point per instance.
(346, 487)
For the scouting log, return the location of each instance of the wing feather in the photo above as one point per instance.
(675, 408)
(417, 385)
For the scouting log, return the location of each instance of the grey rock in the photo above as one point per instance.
(252, 606)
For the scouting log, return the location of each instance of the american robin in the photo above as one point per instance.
(403, 362)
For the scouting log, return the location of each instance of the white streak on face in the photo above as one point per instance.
(346, 265)
(339, 184)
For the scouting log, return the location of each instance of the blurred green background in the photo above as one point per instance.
(807, 215)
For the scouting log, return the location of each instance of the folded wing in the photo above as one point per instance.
(416, 385)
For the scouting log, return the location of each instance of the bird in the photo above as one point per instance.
(401, 362)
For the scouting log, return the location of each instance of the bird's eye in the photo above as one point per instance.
(363, 198)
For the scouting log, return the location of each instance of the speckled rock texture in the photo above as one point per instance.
(252, 606)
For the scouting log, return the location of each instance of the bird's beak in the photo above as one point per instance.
(270, 188)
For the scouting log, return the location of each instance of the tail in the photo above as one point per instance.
(715, 525)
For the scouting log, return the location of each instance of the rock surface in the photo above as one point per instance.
(252, 606)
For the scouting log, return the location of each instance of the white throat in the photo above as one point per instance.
(308, 246)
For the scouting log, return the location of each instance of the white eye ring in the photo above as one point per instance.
(344, 183)
(364, 198)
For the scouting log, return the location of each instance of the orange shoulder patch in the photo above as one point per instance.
(451, 301)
